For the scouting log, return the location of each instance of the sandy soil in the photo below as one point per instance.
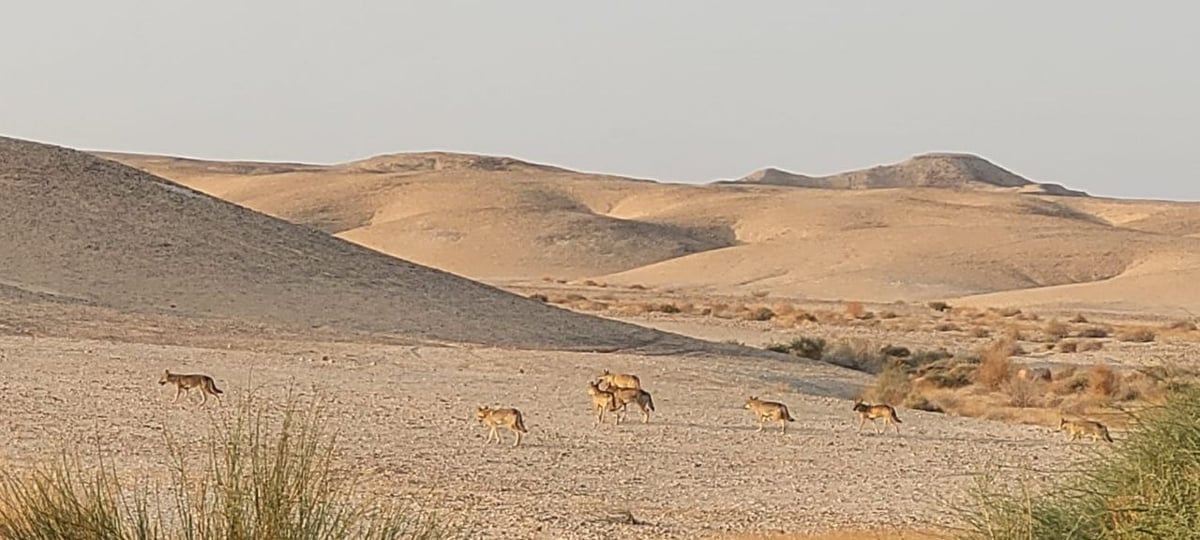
(697, 469)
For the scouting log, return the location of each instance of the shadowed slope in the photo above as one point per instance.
(80, 227)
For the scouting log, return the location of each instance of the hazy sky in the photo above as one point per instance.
(1102, 96)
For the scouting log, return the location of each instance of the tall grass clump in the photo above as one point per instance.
(1147, 486)
(249, 477)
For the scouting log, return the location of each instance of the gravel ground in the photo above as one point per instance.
(406, 419)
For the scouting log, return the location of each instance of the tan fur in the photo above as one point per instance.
(507, 417)
(186, 382)
(872, 412)
(602, 401)
(624, 396)
(769, 410)
(620, 380)
(1075, 428)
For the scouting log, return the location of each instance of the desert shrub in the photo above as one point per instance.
(938, 305)
(1089, 345)
(761, 313)
(1184, 325)
(995, 366)
(1102, 381)
(1024, 393)
(948, 373)
(1146, 487)
(920, 402)
(1136, 335)
(665, 308)
(539, 297)
(1056, 329)
(1068, 346)
(891, 386)
(1008, 312)
(979, 332)
(924, 357)
(259, 479)
(804, 347)
(1078, 318)
(1093, 332)
(856, 354)
(887, 314)
(946, 327)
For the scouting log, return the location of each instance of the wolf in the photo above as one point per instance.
(507, 417)
(1075, 428)
(624, 396)
(871, 412)
(185, 382)
(769, 410)
(620, 380)
(602, 401)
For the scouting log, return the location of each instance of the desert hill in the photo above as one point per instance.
(500, 219)
(937, 170)
(83, 229)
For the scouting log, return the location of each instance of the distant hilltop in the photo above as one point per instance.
(937, 170)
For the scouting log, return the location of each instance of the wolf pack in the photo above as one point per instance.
(612, 393)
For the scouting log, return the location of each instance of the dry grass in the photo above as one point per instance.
(995, 366)
(1056, 329)
(1102, 381)
(1138, 334)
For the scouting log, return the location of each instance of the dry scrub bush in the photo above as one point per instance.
(946, 327)
(1183, 326)
(1102, 381)
(1007, 311)
(995, 366)
(887, 315)
(938, 305)
(1068, 346)
(804, 347)
(892, 386)
(1089, 345)
(1093, 332)
(857, 354)
(1136, 335)
(1056, 329)
(761, 313)
(979, 332)
(1024, 393)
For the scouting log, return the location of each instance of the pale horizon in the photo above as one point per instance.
(1096, 98)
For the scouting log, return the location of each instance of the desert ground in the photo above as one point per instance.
(698, 469)
(403, 291)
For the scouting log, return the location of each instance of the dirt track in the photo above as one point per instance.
(697, 469)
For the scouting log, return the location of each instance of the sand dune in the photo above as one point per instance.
(970, 228)
(89, 230)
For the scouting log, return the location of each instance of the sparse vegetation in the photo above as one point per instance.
(1136, 335)
(804, 347)
(1056, 329)
(260, 479)
(995, 366)
(946, 327)
(1093, 332)
(1145, 488)
(761, 313)
(938, 305)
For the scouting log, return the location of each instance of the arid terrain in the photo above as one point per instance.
(405, 290)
